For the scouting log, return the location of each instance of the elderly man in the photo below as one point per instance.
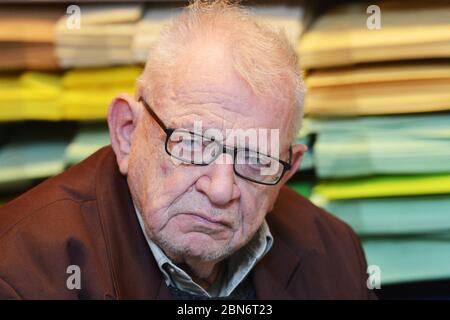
(175, 208)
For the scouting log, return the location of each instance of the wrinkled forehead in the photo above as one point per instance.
(204, 86)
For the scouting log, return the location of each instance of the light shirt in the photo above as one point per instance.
(237, 268)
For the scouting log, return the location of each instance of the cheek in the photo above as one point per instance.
(155, 188)
(164, 167)
(155, 222)
(143, 177)
(254, 206)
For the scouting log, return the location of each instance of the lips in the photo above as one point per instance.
(208, 219)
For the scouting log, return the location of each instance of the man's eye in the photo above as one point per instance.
(191, 144)
(258, 162)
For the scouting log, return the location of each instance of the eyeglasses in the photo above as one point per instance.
(191, 148)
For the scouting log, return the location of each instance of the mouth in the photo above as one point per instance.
(205, 219)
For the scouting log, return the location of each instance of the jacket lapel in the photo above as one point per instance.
(272, 275)
(135, 274)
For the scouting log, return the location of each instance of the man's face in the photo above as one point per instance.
(202, 212)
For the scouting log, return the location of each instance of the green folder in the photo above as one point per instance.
(361, 146)
(409, 259)
(393, 216)
(89, 138)
(33, 151)
(431, 125)
(370, 153)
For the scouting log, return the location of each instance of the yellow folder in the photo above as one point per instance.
(379, 89)
(383, 186)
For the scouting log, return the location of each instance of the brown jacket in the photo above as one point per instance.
(85, 217)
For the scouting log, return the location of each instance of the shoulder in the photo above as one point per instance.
(46, 228)
(333, 263)
(304, 225)
(62, 194)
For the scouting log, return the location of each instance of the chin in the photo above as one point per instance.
(201, 246)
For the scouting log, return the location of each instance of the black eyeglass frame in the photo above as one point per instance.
(170, 131)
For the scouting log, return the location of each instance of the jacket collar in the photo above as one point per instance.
(135, 274)
(272, 275)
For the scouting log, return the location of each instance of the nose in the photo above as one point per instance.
(218, 182)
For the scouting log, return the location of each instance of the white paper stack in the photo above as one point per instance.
(104, 38)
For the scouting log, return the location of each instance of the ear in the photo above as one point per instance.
(122, 121)
(297, 155)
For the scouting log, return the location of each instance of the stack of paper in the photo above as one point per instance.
(89, 138)
(87, 93)
(33, 151)
(384, 186)
(30, 151)
(104, 36)
(340, 40)
(30, 95)
(27, 37)
(379, 89)
(345, 35)
(406, 259)
(409, 144)
(389, 204)
(394, 215)
(36, 150)
(78, 94)
(377, 104)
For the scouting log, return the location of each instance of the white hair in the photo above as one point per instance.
(262, 56)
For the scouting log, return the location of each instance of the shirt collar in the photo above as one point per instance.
(238, 265)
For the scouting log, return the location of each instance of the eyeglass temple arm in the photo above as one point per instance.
(290, 157)
(153, 114)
